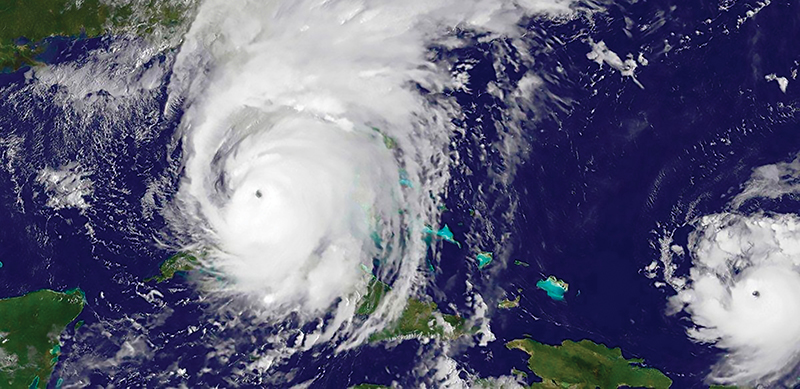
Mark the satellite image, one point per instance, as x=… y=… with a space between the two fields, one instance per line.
x=399 y=194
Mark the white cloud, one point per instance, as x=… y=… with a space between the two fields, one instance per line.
x=602 y=54
x=771 y=181
x=66 y=187
x=743 y=294
x=285 y=178
x=783 y=82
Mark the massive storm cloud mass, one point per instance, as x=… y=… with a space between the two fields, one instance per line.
x=742 y=292
x=316 y=137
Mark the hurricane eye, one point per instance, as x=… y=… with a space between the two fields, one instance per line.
x=258 y=193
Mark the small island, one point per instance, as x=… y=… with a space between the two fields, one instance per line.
x=554 y=287
x=444 y=233
x=484 y=258
x=586 y=364
x=508 y=304
x=179 y=263
x=29 y=332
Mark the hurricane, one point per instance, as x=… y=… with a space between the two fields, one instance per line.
x=316 y=137
x=399 y=194
x=742 y=291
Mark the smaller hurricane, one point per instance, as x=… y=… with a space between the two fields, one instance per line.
x=744 y=294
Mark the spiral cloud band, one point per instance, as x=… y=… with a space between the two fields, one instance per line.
x=300 y=119
x=743 y=290
x=294 y=203
x=745 y=293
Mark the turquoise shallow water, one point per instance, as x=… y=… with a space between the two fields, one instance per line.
x=552 y=287
x=595 y=185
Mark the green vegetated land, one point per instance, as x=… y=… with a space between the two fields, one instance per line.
x=508 y=303
x=369 y=386
x=178 y=263
x=586 y=365
x=29 y=329
x=24 y=24
x=375 y=292
x=417 y=319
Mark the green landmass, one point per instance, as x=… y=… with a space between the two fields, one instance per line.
x=375 y=292
x=519 y=373
x=35 y=20
x=369 y=386
x=493 y=383
x=417 y=319
x=26 y=23
x=520 y=263
x=178 y=263
x=508 y=304
x=586 y=365
x=388 y=141
x=29 y=329
x=144 y=20
x=420 y=319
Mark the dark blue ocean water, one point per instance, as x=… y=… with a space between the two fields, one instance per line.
x=602 y=172
x=602 y=177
